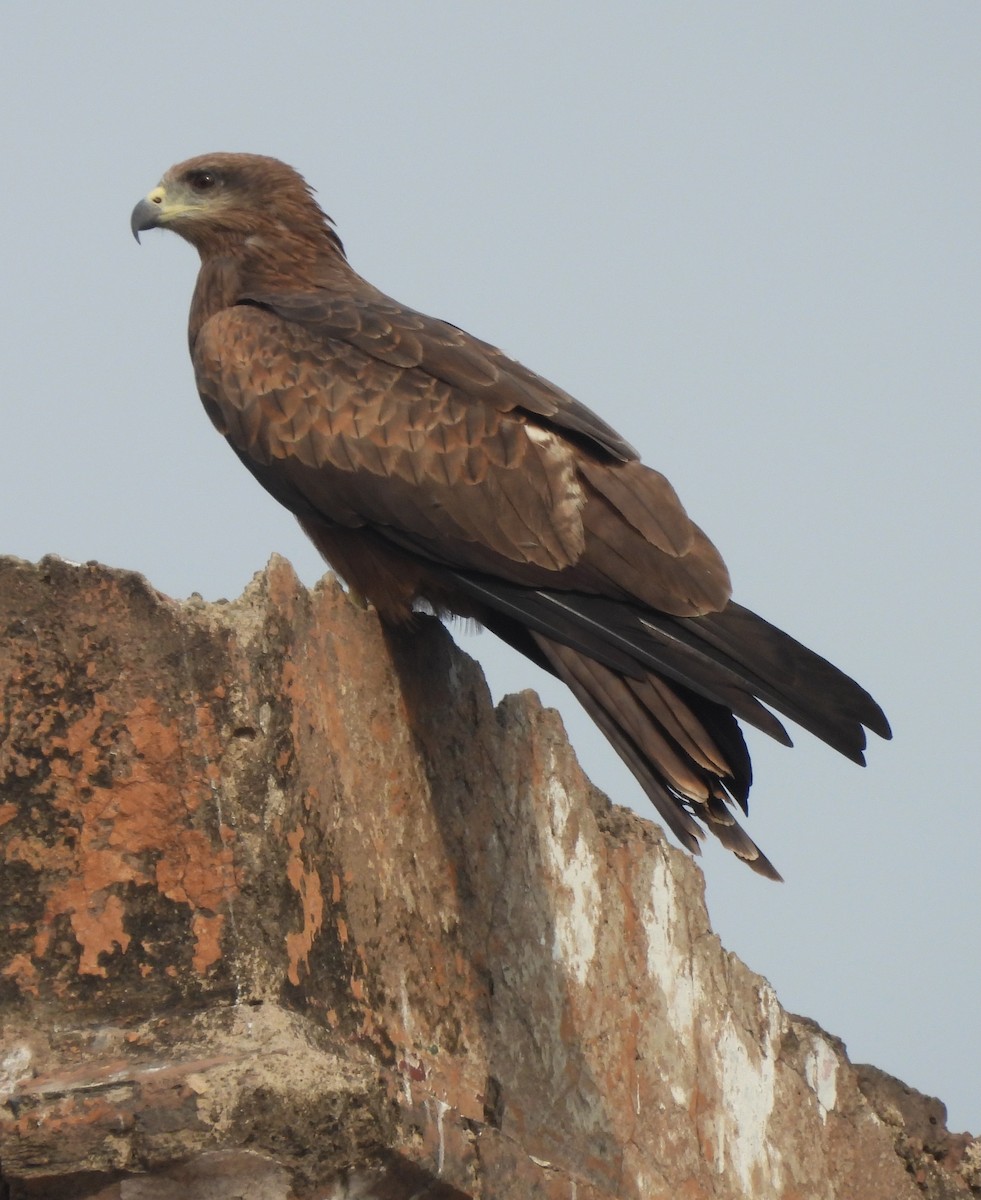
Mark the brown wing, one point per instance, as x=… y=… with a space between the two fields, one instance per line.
x=463 y=478
x=402 y=337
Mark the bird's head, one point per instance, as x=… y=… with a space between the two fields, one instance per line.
x=219 y=202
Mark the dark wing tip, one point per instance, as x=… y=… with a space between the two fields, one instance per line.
x=879 y=723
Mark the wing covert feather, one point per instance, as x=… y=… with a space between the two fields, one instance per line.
x=448 y=475
x=395 y=446
x=389 y=332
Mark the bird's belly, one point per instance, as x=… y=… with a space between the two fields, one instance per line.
x=390 y=579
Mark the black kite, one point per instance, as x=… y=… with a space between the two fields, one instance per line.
x=430 y=468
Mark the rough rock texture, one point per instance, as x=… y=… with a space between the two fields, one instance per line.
x=289 y=910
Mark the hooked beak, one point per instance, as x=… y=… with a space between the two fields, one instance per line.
x=148 y=213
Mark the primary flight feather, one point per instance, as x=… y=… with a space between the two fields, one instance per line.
x=430 y=468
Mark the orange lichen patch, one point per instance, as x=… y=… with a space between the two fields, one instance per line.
x=7 y=813
x=36 y=853
x=198 y=876
x=207 y=935
x=307 y=885
x=97 y=929
x=126 y=787
x=23 y=972
x=95 y=917
x=66 y=1115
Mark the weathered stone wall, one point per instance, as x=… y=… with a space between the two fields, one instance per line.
x=290 y=910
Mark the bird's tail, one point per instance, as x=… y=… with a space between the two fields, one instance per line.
x=666 y=691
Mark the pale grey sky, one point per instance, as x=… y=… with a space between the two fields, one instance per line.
x=748 y=234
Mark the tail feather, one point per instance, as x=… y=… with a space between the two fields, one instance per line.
x=753 y=642
x=679 y=723
x=679 y=795
x=675 y=815
x=666 y=692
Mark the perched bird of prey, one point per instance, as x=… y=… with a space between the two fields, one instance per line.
x=432 y=470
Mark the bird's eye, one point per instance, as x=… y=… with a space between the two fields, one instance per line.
x=202 y=181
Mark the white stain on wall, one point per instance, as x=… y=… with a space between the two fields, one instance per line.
x=821 y=1074
x=669 y=963
x=578 y=894
x=747 y=1085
